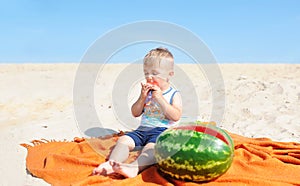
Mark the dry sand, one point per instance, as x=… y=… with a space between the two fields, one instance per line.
x=36 y=101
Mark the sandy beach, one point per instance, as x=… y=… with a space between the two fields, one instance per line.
x=37 y=101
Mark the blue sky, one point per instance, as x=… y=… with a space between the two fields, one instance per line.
x=49 y=31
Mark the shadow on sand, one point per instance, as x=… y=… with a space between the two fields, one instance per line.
x=100 y=132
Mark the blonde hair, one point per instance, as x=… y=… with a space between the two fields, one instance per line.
x=158 y=55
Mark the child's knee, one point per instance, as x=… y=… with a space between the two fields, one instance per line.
x=127 y=141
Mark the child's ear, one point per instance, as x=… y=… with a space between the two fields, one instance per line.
x=171 y=73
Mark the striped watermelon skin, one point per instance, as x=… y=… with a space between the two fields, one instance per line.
x=189 y=153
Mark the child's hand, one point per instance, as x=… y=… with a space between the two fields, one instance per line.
x=145 y=89
x=156 y=92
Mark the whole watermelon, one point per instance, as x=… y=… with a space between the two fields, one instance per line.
x=196 y=152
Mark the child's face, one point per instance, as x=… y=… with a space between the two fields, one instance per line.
x=158 y=72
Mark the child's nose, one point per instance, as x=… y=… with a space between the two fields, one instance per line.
x=149 y=77
x=149 y=80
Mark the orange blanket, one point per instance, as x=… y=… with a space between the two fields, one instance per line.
x=258 y=161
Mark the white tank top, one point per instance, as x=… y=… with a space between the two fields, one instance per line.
x=153 y=115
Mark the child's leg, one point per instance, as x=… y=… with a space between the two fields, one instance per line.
x=145 y=159
x=120 y=153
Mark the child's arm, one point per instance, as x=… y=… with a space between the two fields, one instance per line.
x=172 y=112
x=138 y=106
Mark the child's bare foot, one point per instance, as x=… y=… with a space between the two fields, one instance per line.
x=127 y=170
x=103 y=169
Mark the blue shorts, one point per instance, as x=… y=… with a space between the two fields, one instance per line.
x=143 y=135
